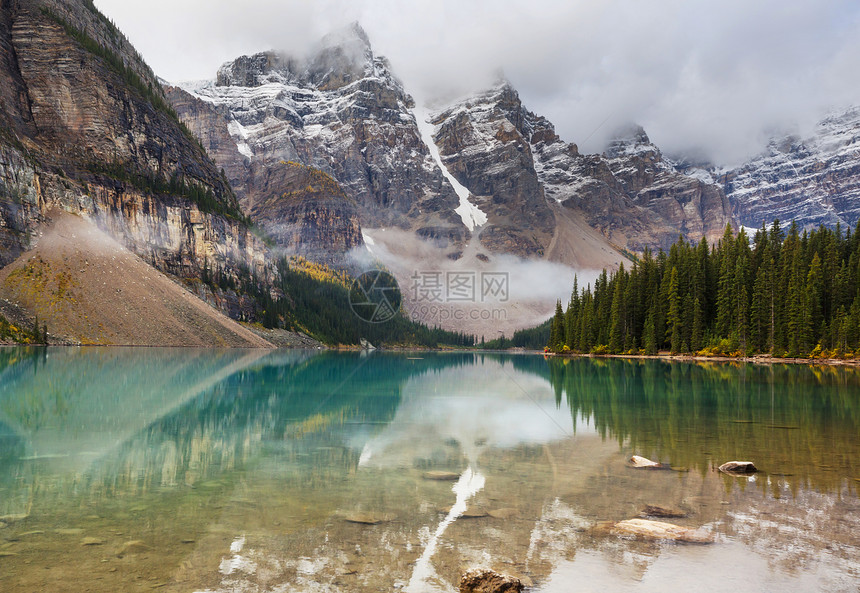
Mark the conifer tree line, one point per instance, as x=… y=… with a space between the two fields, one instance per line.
x=787 y=293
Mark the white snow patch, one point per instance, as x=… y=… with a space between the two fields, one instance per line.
x=241 y=136
x=471 y=215
x=702 y=175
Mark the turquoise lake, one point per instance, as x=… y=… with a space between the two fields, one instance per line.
x=126 y=469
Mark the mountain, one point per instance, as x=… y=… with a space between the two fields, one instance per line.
x=633 y=194
x=484 y=143
x=483 y=165
x=340 y=112
x=630 y=193
x=814 y=180
x=85 y=129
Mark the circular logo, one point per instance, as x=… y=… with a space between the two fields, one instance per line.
x=375 y=296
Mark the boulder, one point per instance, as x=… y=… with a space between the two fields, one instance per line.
x=9 y=519
x=659 y=531
x=505 y=513
x=484 y=580
x=134 y=546
x=469 y=513
x=738 y=468
x=638 y=462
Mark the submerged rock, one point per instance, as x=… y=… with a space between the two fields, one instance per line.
x=638 y=462
x=469 y=513
x=92 y=541
x=505 y=513
x=440 y=475
x=483 y=580
x=367 y=518
x=656 y=531
x=9 y=519
x=738 y=468
x=134 y=546
x=651 y=510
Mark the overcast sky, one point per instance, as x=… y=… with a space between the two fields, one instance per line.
x=717 y=75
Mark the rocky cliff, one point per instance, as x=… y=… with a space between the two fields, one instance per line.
x=631 y=193
x=814 y=180
x=302 y=209
x=484 y=143
x=87 y=129
x=312 y=215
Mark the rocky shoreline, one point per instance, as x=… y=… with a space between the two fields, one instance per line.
x=758 y=359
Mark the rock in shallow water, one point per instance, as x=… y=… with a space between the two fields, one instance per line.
x=657 y=531
x=652 y=510
x=638 y=462
x=482 y=580
x=505 y=513
x=134 y=546
x=738 y=468
x=367 y=518
x=440 y=475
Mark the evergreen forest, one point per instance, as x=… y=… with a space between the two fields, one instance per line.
x=782 y=292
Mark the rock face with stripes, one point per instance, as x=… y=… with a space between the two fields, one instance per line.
x=813 y=180
x=86 y=128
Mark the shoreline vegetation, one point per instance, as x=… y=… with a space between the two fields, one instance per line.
x=760 y=359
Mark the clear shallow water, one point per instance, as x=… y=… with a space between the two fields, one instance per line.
x=184 y=470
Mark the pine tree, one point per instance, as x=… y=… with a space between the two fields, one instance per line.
x=649 y=334
x=698 y=326
x=556 y=336
x=674 y=327
x=814 y=299
x=726 y=299
x=616 y=332
x=741 y=326
x=761 y=308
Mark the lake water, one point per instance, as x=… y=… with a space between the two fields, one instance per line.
x=284 y=471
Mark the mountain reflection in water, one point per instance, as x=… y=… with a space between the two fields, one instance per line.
x=131 y=469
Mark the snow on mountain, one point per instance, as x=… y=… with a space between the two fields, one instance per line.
x=483 y=164
x=813 y=181
x=631 y=193
x=483 y=142
x=471 y=215
x=341 y=111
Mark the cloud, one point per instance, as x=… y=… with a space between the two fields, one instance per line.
x=716 y=77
